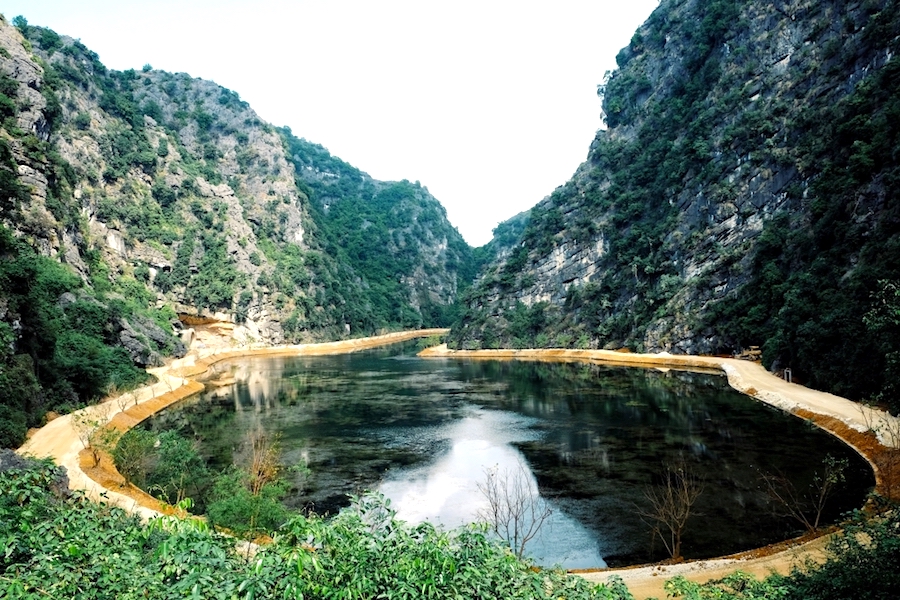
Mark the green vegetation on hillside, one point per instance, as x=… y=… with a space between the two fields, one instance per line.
x=60 y=339
x=373 y=255
x=745 y=194
x=818 y=274
x=633 y=182
x=393 y=236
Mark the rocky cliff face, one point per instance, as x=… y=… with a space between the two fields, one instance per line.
x=137 y=203
x=743 y=193
x=177 y=183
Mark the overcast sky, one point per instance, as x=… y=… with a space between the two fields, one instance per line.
x=490 y=104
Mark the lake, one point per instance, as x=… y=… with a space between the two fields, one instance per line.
x=592 y=440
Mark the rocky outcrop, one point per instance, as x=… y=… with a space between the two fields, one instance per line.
x=176 y=183
x=146 y=342
x=741 y=194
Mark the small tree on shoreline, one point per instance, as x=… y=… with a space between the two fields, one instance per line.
x=516 y=512
x=670 y=505
x=809 y=506
x=88 y=425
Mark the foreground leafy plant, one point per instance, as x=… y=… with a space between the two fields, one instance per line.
x=68 y=547
x=861 y=565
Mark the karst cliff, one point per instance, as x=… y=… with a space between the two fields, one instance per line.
x=743 y=192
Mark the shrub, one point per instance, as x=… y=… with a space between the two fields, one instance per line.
x=364 y=552
x=82 y=121
x=234 y=506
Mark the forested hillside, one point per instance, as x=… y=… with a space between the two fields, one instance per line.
x=130 y=199
x=743 y=193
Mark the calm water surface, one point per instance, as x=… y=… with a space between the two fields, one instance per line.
x=593 y=438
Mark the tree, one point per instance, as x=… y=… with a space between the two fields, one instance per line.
x=670 y=505
x=806 y=506
x=179 y=471
x=516 y=512
x=258 y=457
x=883 y=323
x=247 y=498
x=88 y=424
x=133 y=455
x=235 y=507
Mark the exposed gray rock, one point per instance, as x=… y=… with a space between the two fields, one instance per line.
x=138 y=348
x=144 y=341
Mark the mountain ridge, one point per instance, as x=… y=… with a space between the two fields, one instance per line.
x=742 y=194
x=146 y=199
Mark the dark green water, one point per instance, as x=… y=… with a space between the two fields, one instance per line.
x=423 y=430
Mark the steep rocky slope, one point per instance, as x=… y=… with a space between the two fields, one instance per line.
x=744 y=192
x=132 y=199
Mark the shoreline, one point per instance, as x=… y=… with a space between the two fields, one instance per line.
x=852 y=423
x=103 y=483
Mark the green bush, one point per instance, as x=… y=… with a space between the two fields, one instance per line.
x=132 y=455
x=88 y=366
x=233 y=506
x=82 y=121
x=178 y=471
x=364 y=552
x=13 y=424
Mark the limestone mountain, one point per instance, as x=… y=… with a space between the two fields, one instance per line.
x=396 y=234
x=130 y=199
x=744 y=192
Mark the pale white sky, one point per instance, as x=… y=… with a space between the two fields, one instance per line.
x=490 y=104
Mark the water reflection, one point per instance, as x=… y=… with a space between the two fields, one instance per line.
x=593 y=437
x=446 y=492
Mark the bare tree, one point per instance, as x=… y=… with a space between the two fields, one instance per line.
x=670 y=505
x=88 y=424
x=806 y=506
x=516 y=512
x=122 y=400
x=258 y=456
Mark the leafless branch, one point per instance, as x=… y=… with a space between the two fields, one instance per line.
x=516 y=512
x=806 y=506
x=671 y=504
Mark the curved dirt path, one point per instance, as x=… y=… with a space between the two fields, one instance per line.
x=59 y=439
x=850 y=421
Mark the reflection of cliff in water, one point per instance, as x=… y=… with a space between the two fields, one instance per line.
x=594 y=436
x=609 y=432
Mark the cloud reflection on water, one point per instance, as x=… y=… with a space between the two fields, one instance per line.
x=445 y=491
